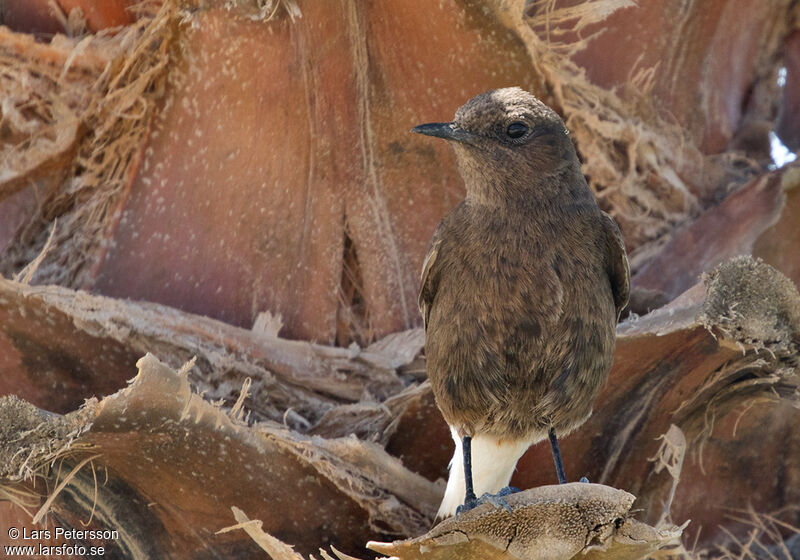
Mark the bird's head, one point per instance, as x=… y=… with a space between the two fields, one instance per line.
x=506 y=137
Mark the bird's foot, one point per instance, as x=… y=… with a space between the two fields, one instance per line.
x=584 y=480
x=467 y=505
x=497 y=500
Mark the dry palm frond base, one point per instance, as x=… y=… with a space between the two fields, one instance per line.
x=77 y=111
x=265 y=10
x=73 y=344
x=154 y=460
x=732 y=228
x=767 y=536
x=162 y=466
x=550 y=522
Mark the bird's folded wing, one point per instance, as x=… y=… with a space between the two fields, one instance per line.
x=427 y=289
x=618 y=269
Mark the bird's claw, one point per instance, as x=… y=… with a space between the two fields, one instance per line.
x=508 y=490
x=467 y=505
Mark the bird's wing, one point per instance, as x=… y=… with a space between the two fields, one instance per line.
x=428 y=284
x=618 y=270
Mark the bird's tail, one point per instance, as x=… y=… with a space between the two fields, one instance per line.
x=493 y=463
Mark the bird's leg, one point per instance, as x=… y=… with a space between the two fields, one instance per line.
x=562 y=478
x=470 y=500
x=470 y=496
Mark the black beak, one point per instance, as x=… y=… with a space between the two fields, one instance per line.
x=448 y=131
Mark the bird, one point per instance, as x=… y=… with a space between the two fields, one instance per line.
x=521 y=290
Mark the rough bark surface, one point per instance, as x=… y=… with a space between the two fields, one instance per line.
x=567 y=521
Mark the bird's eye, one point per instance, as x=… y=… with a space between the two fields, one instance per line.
x=517 y=130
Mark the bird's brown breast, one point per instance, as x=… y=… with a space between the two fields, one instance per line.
x=520 y=333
